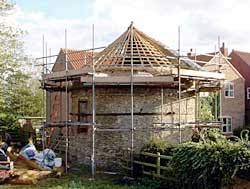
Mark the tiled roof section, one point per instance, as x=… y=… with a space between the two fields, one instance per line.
x=245 y=56
x=78 y=58
x=145 y=50
x=201 y=58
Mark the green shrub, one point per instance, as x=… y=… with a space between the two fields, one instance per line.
x=158 y=145
x=211 y=163
x=153 y=146
x=208 y=164
x=237 y=131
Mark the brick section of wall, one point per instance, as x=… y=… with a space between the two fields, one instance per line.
x=60 y=63
x=234 y=107
x=244 y=70
x=56 y=106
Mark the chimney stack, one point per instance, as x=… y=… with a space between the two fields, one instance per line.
x=191 y=53
x=224 y=50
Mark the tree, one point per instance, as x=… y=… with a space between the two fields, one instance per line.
x=19 y=94
x=207 y=107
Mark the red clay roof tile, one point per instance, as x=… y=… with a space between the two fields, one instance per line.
x=78 y=58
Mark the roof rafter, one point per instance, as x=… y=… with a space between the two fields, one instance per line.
x=146 y=51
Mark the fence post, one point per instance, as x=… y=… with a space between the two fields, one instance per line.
x=129 y=163
x=128 y=157
x=158 y=164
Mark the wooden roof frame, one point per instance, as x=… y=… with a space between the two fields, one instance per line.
x=146 y=51
x=148 y=55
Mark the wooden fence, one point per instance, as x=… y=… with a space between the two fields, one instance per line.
x=154 y=170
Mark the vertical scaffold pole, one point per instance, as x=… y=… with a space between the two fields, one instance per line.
x=93 y=166
x=46 y=55
x=220 y=93
x=162 y=101
x=199 y=102
x=66 y=103
x=179 y=83
x=132 y=99
x=43 y=99
x=216 y=95
x=50 y=56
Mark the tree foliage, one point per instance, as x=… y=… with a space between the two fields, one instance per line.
x=19 y=94
x=207 y=107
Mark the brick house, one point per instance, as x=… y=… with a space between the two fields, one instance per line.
x=155 y=96
x=232 y=95
x=241 y=62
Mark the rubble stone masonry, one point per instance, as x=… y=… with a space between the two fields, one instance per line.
x=147 y=110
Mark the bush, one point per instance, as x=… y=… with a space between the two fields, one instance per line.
x=158 y=145
x=211 y=163
x=153 y=146
x=208 y=164
x=237 y=131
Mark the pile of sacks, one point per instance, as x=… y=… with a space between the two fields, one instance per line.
x=45 y=158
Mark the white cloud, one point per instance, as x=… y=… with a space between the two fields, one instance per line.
x=38 y=24
x=201 y=23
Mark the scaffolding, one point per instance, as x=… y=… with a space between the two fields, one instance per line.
x=129 y=63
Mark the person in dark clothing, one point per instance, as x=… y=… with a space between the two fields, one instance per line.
x=196 y=134
x=6 y=140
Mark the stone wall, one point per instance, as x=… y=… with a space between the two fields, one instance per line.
x=147 y=101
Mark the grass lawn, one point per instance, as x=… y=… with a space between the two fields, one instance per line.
x=80 y=181
x=102 y=181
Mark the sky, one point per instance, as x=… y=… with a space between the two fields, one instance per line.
x=201 y=23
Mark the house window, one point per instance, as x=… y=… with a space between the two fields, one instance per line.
x=82 y=117
x=248 y=93
x=226 y=124
x=229 y=89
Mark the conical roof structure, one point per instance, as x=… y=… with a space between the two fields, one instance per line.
x=144 y=50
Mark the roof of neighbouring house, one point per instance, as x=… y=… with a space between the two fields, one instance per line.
x=209 y=56
x=204 y=58
x=245 y=56
x=144 y=50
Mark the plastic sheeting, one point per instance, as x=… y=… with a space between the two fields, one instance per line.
x=46 y=158
x=28 y=151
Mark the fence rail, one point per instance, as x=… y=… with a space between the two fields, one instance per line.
x=158 y=168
